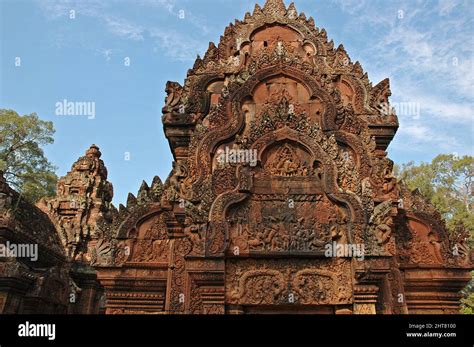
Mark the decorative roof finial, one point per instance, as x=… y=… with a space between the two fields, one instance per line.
x=93 y=151
x=275 y=7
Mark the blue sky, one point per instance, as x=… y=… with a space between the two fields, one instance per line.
x=425 y=48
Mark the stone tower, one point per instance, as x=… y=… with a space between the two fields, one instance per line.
x=82 y=202
x=83 y=198
x=282 y=198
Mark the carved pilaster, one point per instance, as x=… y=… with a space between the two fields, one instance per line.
x=205 y=287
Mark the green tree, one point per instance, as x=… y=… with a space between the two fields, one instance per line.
x=467 y=302
x=25 y=167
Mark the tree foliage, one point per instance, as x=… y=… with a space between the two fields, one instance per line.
x=467 y=302
x=25 y=167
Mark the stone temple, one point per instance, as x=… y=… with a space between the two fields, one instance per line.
x=281 y=199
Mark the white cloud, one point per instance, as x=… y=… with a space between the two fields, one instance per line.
x=417 y=132
x=448 y=111
x=416 y=136
x=168 y=5
x=106 y=53
x=54 y=9
x=176 y=45
x=433 y=106
x=428 y=54
x=123 y=28
x=446 y=6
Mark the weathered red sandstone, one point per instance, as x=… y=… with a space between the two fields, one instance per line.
x=279 y=142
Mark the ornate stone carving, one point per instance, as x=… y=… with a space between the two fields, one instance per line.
x=381 y=222
x=82 y=201
x=226 y=234
x=283 y=282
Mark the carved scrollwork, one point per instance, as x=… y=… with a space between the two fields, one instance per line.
x=259 y=287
